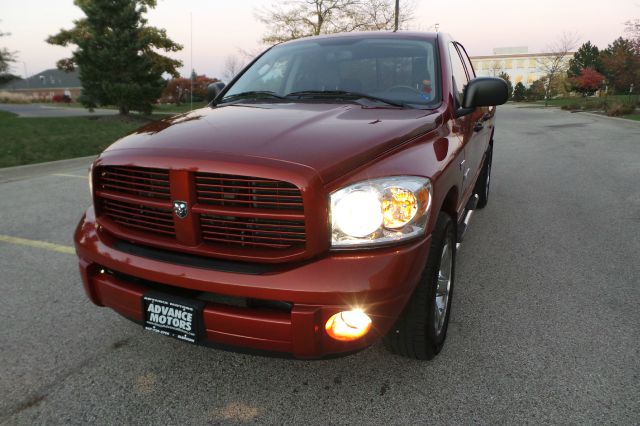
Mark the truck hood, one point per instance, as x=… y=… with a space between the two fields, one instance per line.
x=329 y=138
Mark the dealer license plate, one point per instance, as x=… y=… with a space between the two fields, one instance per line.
x=173 y=316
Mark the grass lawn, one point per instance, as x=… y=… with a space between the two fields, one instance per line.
x=35 y=140
x=632 y=117
x=589 y=101
x=173 y=108
x=157 y=109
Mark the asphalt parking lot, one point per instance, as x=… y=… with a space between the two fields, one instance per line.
x=545 y=324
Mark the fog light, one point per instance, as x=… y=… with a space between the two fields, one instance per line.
x=348 y=325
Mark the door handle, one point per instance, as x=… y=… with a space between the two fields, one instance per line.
x=478 y=126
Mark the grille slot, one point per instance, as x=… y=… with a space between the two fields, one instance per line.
x=137 y=181
x=140 y=217
x=252 y=232
x=242 y=191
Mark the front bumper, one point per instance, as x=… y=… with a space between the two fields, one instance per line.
x=378 y=281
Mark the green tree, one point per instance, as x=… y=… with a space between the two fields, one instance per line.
x=621 y=63
x=519 y=92
x=6 y=58
x=117 y=54
x=587 y=56
x=503 y=75
x=537 y=90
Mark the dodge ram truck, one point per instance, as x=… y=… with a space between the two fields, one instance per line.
x=312 y=208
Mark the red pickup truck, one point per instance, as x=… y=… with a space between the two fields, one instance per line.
x=312 y=208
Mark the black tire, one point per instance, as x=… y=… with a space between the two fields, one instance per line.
x=415 y=333
x=483 y=185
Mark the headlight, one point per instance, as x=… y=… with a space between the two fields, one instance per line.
x=380 y=211
x=358 y=213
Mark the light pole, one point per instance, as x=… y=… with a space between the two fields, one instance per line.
x=395 y=25
x=26 y=76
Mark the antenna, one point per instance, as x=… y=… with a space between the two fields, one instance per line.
x=191 y=42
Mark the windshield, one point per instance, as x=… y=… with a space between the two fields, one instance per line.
x=398 y=71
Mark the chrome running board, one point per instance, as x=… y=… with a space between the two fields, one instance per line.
x=464 y=225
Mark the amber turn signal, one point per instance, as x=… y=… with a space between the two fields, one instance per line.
x=348 y=325
x=399 y=206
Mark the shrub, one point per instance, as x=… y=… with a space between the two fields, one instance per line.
x=14 y=98
x=519 y=92
x=591 y=104
x=571 y=107
x=618 y=109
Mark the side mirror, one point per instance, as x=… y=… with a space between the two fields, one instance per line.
x=213 y=90
x=485 y=91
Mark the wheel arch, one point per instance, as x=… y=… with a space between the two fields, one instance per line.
x=449 y=205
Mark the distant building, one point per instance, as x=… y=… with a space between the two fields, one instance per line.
x=45 y=85
x=517 y=62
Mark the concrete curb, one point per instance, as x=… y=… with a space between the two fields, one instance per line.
x=624 y=120
x=10 y=174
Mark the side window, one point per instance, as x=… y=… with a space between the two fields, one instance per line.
x=460 y=79
x=467 y=62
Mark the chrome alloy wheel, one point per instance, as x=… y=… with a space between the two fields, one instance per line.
x=443 y=287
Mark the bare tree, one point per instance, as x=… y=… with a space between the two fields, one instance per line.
x=555 y=63
x=232 y=66
x=495 y=68
x=292 y=19
x=247 y=55
x=632 y=27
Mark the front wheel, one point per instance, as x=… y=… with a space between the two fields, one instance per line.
x=421 y=329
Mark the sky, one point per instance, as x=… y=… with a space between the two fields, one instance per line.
x=220 y=28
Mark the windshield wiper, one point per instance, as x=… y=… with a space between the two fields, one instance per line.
x=341 y=93
x=253 y=94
